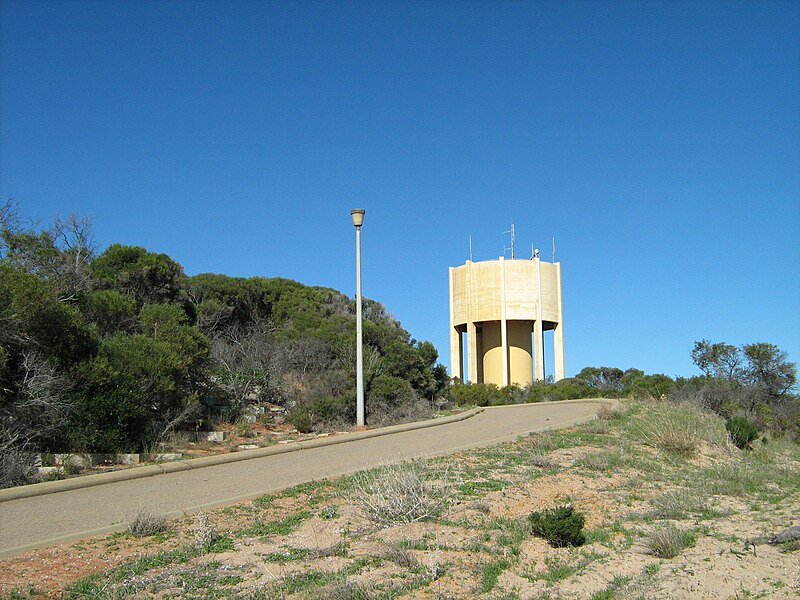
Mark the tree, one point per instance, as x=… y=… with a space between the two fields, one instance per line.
x=768 y=369
x=148 y=277
x=719 y=360
x=602 y=378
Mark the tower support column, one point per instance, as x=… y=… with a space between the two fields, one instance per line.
x=538 y=349
x=558 y=348
x=472 y=352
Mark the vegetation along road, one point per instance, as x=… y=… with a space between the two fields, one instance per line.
x=48 y=519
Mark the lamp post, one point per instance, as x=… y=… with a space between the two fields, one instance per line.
x=358 y=220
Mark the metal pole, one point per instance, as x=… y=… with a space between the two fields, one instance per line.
x=359 y=341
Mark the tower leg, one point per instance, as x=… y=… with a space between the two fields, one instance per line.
x=538 y=346
x=472 y=352
x=558 y=347
x=456 y=358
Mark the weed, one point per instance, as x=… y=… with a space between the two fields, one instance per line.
x=669 y=541
x=491 y=573
x=477 y=488
x=284 y=526
x=207 y=538
x=399 y=555
x=605 y=460
x=677 y=504
x=559 y=568
x=403 y=493
x=678 y=429
x=607 y=412
x=560 y=526
x=329 y=512
x=145 y=522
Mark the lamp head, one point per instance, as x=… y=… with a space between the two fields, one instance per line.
x=358 y=216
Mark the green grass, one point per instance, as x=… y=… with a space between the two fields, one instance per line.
x=283 y=526
x=491 y=573
x=479 y=488
x=559 y=568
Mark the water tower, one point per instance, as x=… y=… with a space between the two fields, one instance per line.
x=503 y=307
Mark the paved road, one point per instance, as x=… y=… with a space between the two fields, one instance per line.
x=45 y=520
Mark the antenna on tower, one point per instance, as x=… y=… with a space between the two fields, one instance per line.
x=470 y=248
x=554 y=249
x=512 y=242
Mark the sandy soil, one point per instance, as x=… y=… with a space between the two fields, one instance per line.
x=451 y=553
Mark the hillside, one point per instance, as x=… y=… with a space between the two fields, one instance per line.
x=672 y=510
x=116 y=352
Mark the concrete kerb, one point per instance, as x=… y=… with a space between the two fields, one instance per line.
x=53 y=487
x=207 y=461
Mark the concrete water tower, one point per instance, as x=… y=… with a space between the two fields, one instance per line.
x=503 y=307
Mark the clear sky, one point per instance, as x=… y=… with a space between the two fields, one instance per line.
x=657 y=142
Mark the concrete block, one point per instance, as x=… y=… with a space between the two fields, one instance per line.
x=45 y=471
x=165 y=457
x=76 y=460
x=216 y=436
x=128 y=459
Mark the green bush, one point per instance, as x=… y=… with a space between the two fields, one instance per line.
x=300 y=418
x=474 y=394
x=742 y=431
x=560 y=526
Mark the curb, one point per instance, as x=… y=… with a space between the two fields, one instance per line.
x=53 y=487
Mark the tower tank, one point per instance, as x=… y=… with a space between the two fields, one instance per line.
x=503 y=307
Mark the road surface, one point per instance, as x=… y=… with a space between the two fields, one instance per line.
x=52 y=518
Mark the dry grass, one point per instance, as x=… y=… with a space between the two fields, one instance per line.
x=679 y=430
x=402 y=493
x=607 y=412
x=145 y=522
x=668 y=541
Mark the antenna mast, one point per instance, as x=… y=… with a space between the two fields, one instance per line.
x=554 y=249
x=512 y=241
x=470 y=248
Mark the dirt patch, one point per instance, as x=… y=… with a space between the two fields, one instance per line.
x=315 y=541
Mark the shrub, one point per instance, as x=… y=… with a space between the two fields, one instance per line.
x=668 y=542
x=474 y=394
x=560 y=526
x=17 y=468
x=145 y=522
x=300 y=418
x=402 y=493
x=742 y=431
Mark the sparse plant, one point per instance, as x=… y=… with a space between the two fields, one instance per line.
x=560 y=526
x=676 y=504
x=679 y=429
x=742 y=432
x=668 y=541
x=205 y=534
x=608 y=412
x=402 y=493
x=491 y=573
x=542 y=460
x=17 y=468
x=434 y=568
x=400 y=556
x=329 y=512
x=145 y=522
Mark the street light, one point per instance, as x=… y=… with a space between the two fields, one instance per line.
x=358 y=220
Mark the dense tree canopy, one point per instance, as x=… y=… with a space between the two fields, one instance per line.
x=109 y=352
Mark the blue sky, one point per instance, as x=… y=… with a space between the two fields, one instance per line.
x=657 y=142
